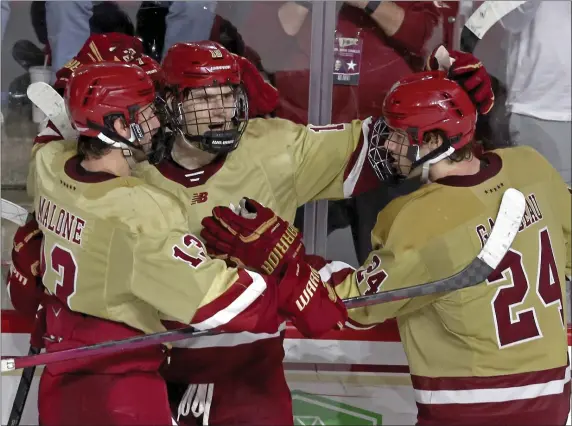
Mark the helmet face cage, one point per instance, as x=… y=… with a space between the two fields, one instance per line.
x=402 y=149
x=148 y=129
x=381 y=160
x=152 y=130
x=214 y=117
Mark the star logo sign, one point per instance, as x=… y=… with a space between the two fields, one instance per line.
x=351 y=65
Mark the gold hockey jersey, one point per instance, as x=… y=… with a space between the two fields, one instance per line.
x=119 y=249
x=278 y=163
x=281 y=165
x=495 y=353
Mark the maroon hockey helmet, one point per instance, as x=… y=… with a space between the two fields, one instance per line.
x=204 y=83
x=97 y=94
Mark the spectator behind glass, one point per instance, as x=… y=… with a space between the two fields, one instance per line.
x=68 y=25
x=530 y=54
x=393 y=40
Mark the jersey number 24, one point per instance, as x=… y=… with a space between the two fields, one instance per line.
x=514 y=289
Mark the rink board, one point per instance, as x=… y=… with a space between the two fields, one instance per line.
x=348 y=377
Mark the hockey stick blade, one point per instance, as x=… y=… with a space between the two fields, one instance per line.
x=14 y=213
x=53 y=106
x=488 y=14
x=501 y=237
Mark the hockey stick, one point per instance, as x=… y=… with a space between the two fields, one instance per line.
x=53 y=106
x=501 y=237
x=14 y=213
x=488 y=14
x=23 y=390
x=478 y=24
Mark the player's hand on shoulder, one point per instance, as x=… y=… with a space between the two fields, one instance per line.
x=312 y=304
x=252 y=236
x=469 y=72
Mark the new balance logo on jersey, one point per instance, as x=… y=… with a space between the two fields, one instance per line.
x=199 y=197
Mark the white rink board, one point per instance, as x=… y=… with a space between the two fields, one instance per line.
x=373 y=397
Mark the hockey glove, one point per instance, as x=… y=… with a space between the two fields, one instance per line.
x=469 y=72
x=252 y=236
x=24 y=278
x=262 y=96
x=312 y=305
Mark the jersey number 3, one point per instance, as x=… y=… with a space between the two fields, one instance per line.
x=62 y=262
x=523 y=326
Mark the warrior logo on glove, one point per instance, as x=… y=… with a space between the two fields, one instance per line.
x=259 y=239
x=313 y=284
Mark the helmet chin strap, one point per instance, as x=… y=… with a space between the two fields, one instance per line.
x=125 y=149
x=426 y=165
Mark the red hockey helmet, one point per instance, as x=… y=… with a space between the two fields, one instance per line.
x=110 y=47
x=204 y=81
x=429 y=102
x=98 y=94
x=151 y=68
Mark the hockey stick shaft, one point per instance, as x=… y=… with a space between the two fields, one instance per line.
x=501 y=237
x=23 y=390
x=104 y=348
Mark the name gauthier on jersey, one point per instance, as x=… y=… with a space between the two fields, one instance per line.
x=532 y=214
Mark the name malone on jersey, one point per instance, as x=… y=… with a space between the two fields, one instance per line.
x=67 y=225
x=532 y=214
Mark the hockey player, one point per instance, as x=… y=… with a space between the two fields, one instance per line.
x=217 y=154
x=495 y=353
x=117 y=257
x=24 y=272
